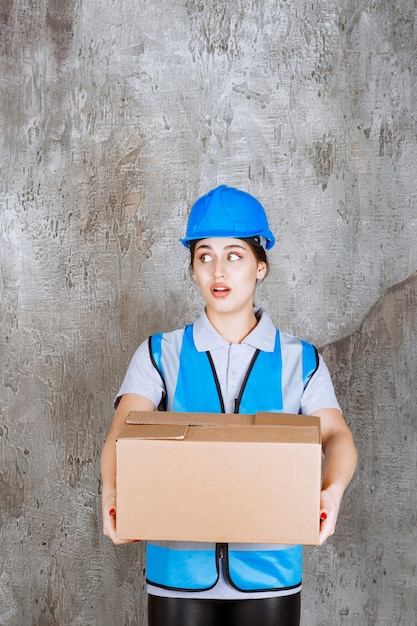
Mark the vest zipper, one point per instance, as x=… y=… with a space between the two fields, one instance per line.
x=245 y=380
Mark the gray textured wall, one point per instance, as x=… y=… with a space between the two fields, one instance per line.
x=115 y=116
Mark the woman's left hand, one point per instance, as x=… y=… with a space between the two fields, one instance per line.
x=339 y=466
x=329 y=510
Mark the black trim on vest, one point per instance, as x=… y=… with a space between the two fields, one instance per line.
x=216 y=380
x=163 y=403
x=245 y=380
x=316 y=368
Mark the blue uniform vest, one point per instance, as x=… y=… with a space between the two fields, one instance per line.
x=274 y=382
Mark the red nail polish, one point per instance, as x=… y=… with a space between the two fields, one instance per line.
x=112 y=512
x=323 y=516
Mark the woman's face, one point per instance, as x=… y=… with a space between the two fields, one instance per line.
x=226 y=271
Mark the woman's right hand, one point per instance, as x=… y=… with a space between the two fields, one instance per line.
x=128 y=402
x=109 y=522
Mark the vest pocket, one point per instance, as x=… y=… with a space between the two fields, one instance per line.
x=185 y=566
x=269 y=567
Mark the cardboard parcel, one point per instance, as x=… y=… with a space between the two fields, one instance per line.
x=219 y=477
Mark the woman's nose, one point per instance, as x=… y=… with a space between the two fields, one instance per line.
x=219 y=271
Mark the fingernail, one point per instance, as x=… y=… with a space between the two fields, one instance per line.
x=112 y=512
x=323 y=516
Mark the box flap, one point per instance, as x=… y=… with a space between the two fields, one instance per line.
x=173 y=425
x=292 y=420
x=153 y=431
x=277 y=434
x=192 y=419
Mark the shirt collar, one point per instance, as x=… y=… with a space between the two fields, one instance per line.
x=262 y=337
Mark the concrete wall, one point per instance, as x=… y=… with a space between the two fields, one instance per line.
x=115 y=116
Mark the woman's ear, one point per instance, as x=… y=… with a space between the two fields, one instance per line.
x=261 y=273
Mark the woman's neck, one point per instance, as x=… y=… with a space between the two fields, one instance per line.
x=234 y=328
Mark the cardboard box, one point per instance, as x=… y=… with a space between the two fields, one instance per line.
x=219 y=477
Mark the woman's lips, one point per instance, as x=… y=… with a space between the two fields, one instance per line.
x=220 y=291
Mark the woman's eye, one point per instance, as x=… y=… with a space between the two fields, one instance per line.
x=233 y=256
x=205 y=258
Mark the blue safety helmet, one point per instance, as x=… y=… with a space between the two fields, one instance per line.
x=228 y=212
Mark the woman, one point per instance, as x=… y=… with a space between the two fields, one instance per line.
x=227 y=348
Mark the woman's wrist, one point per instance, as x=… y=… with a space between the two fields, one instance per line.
x=108 y=499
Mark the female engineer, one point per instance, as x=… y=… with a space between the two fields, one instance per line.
x=232 y=359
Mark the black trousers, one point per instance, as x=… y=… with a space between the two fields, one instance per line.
x=283 y=611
